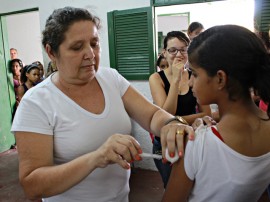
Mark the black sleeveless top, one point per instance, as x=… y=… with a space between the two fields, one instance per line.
x=25 y=87
x=186 y=103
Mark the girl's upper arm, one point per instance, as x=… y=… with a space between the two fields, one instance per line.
x=20 y=92
x=179 y=185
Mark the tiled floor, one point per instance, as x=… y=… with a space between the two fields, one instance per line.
x=145 y=185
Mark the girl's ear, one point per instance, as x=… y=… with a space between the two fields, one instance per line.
x=222 y=79
x=50 y=53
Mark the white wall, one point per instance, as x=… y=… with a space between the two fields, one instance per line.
x=172 y=23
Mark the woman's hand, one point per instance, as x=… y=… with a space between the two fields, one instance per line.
x=172 y=137
x=177 y=69
x=120 y=149
x=206 y=120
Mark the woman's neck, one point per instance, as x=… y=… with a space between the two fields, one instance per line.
x=17 y=77
x=29 y=83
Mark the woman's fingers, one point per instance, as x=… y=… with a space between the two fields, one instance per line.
x=180 y=139
x=167 y=139
x=128 y=148
x=120 y=149
x=173 y=136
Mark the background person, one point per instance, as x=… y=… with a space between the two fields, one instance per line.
x=194 y=29
x=13 y=53
x=16 y=66
x=73 y=129
x=233 y=157
x=29 y=77
x=161 y=63
x=41 y=71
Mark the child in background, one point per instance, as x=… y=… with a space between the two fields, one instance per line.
x=41 y=71
x=161 y=63
x=29 y=76
x=16 y=65
x=229 y=161
x=194 y=29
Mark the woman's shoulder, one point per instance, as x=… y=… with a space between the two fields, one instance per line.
x=154 y=76
x=107 y=72
x=157 y=77
x=112 y=77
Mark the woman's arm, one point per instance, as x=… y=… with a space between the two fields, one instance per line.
x=20 y=93
x=41 y=178
x=168 y=103
x=153 y=119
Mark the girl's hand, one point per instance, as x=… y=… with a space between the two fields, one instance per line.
x=206 y=120
x=120 y=149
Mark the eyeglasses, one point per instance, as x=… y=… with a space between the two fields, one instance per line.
x=174 y=51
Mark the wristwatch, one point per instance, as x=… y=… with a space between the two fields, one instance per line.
x=177 y=118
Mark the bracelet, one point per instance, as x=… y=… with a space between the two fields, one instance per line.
x=177 y=118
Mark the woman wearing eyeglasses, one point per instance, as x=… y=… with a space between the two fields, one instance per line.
x=170 y=90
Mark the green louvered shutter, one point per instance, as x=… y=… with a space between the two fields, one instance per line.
x=131 y=43
x=262 y=15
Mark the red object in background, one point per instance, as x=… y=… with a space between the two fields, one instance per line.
x=152 y=137
x=263 y=105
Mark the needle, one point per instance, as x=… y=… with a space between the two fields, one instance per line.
x=148 y=155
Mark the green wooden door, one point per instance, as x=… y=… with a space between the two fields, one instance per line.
x=7 y=98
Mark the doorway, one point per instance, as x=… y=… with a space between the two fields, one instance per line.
x=209 y=14
x=19 y=30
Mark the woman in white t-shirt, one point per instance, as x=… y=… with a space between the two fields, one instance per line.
x=73 y=130
x=229 y=161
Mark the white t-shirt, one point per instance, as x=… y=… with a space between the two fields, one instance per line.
x=221 y=174
x=45 y=109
